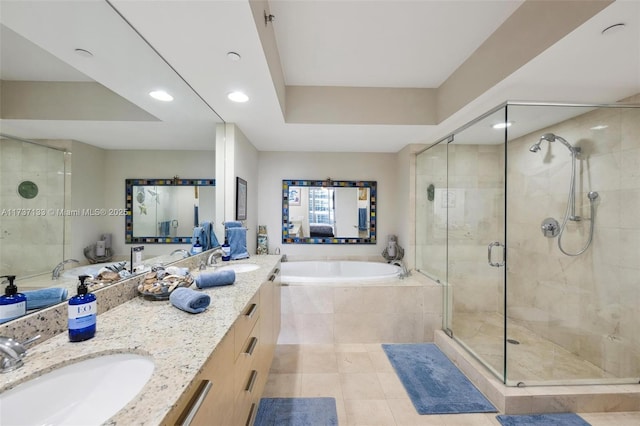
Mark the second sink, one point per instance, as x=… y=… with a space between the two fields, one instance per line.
x=239 y=267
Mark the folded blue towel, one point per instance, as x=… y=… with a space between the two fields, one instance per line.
x=233 y=224
x=189 y=300
x=42 y=298
x=216 y=278
x=237 y=238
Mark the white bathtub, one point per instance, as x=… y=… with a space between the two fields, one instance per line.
x=337 y=271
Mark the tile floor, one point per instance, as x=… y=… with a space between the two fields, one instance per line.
x=367 y=390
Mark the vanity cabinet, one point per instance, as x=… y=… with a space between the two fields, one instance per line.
x=207 y=400
x=228 y=388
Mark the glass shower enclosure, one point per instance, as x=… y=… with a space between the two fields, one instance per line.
x=528 y=216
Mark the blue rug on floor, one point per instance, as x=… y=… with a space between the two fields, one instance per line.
x=297 y=412
x=434 y=384
x=559 y=419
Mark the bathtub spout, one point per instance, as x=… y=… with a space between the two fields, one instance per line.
x=405 y=272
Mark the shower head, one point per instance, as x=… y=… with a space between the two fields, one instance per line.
x=550 y=137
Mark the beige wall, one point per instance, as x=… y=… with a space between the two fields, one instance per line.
x=381 y=167
x=124 y=164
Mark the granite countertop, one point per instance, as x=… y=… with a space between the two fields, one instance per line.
x=178 y=342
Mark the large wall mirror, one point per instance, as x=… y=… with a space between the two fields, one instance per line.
x=75 y=75
x=165 y=211
x=328 y=212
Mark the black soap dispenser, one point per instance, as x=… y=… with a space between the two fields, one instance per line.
x=12 y=303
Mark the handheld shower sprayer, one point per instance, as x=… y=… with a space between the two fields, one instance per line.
x=570 y=213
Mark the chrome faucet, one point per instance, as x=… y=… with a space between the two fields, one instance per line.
x=12 y=352
x=55 y=274
x=405 y=272
x=212 y=259
x=184 y=252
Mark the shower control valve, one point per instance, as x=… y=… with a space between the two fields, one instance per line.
x=550 y=227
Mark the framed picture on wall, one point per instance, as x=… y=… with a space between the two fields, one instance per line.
x=294 y=196
x=241 y=199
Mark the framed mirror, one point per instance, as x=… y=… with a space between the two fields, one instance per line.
x=165 y=211
x=329 y=212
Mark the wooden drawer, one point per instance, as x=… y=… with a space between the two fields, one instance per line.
x=247 y=400
x=245 y=323
x=247 y=359
x=210 y=388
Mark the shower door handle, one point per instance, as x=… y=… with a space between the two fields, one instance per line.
x=504 y=254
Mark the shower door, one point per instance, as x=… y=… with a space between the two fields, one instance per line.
x=474 y=202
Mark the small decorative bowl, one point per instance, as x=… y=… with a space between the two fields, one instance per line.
x=154 y=288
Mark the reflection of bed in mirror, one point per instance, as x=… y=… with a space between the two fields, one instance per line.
x=329 y=211
x=320 y=230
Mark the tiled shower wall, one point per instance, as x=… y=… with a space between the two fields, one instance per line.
x=588 y=304
x=31 y=230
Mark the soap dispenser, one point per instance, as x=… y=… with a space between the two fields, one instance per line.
x=12 y=304
x=226 y=250
x=83 y=310
x=197 y=247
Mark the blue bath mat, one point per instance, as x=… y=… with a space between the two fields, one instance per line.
x=434 y=384
x=297 y=412
x=559 y=419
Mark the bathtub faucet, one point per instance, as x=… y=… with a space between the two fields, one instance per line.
x=405 y=272
x=55 y=274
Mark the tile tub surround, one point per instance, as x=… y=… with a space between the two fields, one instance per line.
x=540 y=399
x=398 y=311
x=51 y=321
x=178 y=342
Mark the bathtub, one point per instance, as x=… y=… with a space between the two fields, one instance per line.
x=337 y=271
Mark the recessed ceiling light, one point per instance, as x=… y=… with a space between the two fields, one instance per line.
x=502 y=125
x=238 y=96
x=613 y=28
x=233 y=56
x=161 y=95
x=83 y=52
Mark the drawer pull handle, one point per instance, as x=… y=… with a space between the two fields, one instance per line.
x=272 y=278
x=252 y=381
x=203 y=390
x=252 y=411
x=252 y=346
x=252 y=310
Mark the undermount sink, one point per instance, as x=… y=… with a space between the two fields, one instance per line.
x=87 y=392
x=239 y=267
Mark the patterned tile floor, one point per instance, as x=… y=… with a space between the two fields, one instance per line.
x=367 y=390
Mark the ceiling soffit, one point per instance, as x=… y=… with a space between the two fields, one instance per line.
x=532 y=28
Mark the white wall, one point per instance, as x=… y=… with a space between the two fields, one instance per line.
x=88 y=172
x=240 y=160
x=126 y=164
x=381 y=167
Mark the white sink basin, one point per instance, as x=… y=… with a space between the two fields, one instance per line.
x=239 y=267
x=88 y=392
